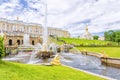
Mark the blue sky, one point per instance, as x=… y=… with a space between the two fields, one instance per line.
x=71 y=15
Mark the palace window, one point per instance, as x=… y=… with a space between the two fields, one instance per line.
x=21 y=28
x=18 y=41
x=22 y=41
x=12 y=28
x=29 y=29
x=33 y=42
x=16 y=28
x=10 y=42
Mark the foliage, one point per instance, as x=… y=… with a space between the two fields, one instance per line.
x=84 y=42
x=55 y=41
x=112 y=36
x=1 y=47
x=110 y=51
x=95 y=37
x=117 y=37
x=16 y=71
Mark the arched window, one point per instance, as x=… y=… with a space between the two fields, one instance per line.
x=33 y=43
x=18 y=41
x=10 y=42
x=22 y=41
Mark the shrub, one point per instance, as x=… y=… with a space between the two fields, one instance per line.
x=1 y=47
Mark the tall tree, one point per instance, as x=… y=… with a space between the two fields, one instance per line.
x=109 y=35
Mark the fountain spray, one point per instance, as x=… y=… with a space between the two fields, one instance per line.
x=45 y=32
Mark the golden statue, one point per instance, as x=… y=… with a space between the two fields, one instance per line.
x=44 y=47
x=56 y=61
x=104 y=54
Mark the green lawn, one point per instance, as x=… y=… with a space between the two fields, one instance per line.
x=78 y=41
x=51 y=40
x=16 y=71
x=110 y=51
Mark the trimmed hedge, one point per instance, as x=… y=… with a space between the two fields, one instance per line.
x=77 y=42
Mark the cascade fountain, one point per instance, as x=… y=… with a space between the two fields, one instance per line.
x=45 y=52
x=26 y=44
x=80 y=61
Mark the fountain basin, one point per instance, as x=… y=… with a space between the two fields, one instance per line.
x=45 y=54
x=24 y=48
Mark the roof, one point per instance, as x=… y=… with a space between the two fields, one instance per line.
x=25 y=23
x=18 y=22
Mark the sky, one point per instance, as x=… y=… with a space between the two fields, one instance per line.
x=71 y=15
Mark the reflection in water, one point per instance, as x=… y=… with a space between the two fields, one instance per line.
x=89 y=63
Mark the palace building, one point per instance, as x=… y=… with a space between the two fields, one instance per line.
x=14 y=31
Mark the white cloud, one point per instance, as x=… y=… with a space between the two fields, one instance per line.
x=72 y=15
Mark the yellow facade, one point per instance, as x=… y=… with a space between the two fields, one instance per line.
x=15 y=30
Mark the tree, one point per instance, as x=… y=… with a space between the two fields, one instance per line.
x=95 y=37
x=112 y=36
x=109 y=35
x=117 y=37
x=1 y=47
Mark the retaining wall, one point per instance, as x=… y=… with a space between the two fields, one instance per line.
x=108 y=61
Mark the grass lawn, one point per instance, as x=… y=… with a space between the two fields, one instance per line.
x=16 y=71
x=51 y=40
x=78 y=41
x=110 y=51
